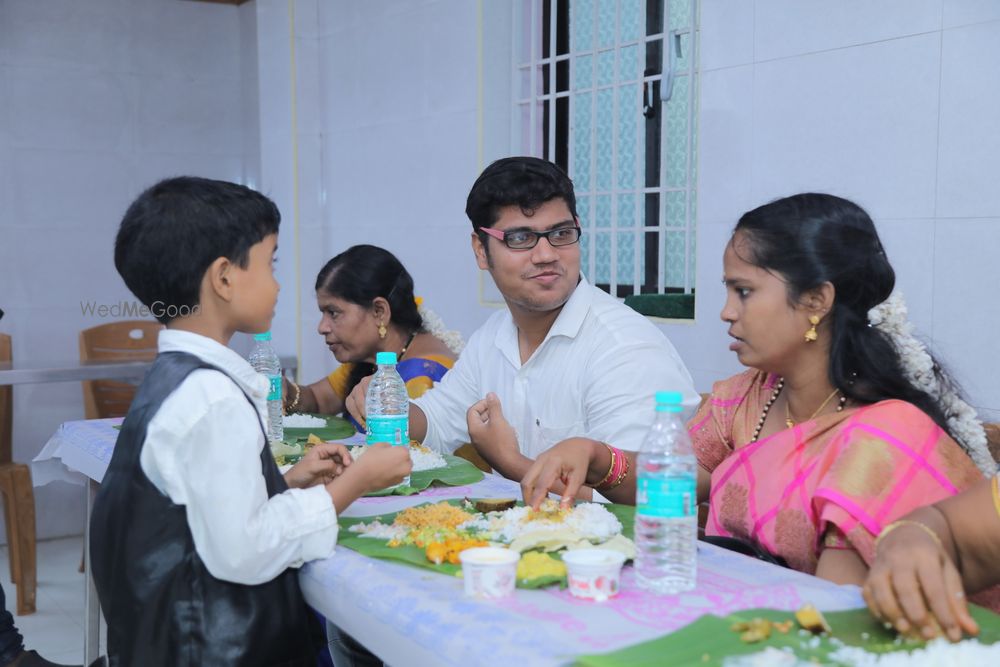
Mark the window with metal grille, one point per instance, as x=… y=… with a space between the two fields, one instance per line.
x=607 y=89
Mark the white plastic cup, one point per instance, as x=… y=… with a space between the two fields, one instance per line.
x=593 y=574
x=489 y=572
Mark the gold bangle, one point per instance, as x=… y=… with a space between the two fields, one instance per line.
x=611 y=468
x=907 y=522
x=621 y=476
x=996 y=493
x=291 y=407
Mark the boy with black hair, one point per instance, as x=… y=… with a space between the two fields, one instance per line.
x=195 y=535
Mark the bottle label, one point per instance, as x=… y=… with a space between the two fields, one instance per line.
x=274 y=393
x=392 y=429
x=670 y=498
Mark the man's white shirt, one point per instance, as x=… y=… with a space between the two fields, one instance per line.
x=202 y=450
x=594 y=375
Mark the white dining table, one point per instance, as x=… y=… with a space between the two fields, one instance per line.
x=410 y=616
x=414 y=617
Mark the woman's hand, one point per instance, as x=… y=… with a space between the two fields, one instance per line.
x=914 y=586
x=355 y=403
x=286 y=393
x=321 y=464
x=565 y=465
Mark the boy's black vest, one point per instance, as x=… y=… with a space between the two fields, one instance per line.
x=162 y=605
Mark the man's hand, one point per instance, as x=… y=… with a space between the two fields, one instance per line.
x=355 y=403
x=494 y=438
x=914 y=586
x=320 y=465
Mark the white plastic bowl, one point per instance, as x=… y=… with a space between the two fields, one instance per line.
x=593 y=574
x=489 y=572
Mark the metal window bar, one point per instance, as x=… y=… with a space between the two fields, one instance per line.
x=547 y=102
x=689 y=239
x=550 y=58
x=673 y=36
x=638 y=233
x=616 y=50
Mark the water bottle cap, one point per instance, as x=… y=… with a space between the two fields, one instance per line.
x=384 y=358
x=262 y=336
x=669 y=401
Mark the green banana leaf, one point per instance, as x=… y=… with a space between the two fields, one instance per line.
x=457 y=472
x=709 y=640
x=411 y=555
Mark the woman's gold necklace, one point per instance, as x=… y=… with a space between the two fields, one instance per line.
x=789 y=423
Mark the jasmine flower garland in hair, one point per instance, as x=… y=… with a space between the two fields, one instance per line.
x=435 y=326
x=890 y=317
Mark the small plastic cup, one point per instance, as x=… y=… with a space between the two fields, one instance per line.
x=489 y=572
x=593 y=574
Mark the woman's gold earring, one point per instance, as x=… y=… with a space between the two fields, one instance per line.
x=811 y=335
x=382 y=331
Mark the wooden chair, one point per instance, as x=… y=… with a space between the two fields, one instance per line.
x=129 y=340
x=18 y=501
x=993 y=439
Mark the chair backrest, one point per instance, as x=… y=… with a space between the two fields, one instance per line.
x=130 y=340
x=993 y=439
x=6 y=406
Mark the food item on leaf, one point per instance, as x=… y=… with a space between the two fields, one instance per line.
x=423 y=458
x=753 y=631
x=493 y=504
x=535 y=565
x=302 y=421
x=448 y=550
x=758 y=629
x=810 y=618
x=444 y=530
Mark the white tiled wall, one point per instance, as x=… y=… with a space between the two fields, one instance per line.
x=860 y=120
x=892 y=104
x=969 y=146
x=397 y=129
x=785 y=28
x=98 y=99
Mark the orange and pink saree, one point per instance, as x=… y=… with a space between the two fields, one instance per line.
x=833 y=482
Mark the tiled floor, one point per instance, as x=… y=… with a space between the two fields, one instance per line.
x=55 y=630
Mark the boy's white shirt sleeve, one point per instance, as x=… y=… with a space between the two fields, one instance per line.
x=213 y=468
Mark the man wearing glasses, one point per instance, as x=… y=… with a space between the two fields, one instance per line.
x=565 y=359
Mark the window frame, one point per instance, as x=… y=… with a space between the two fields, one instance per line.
x=534 y=132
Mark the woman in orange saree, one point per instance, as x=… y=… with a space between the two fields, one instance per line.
x=844 y=422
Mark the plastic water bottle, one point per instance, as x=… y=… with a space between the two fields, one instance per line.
x=666 y=512
x=387 y=405
x=266 y=362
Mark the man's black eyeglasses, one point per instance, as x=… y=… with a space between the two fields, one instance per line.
x=526 y=239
